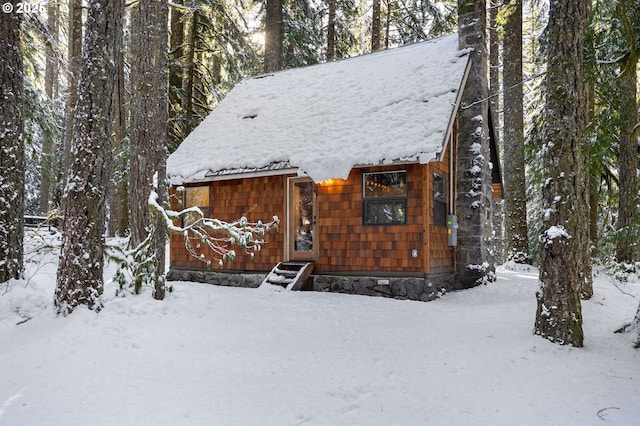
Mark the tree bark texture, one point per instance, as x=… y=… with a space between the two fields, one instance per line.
x=74 y=64
x=12 y=156
x=190 y=69
x=473 y=183
x=273 y=37
x=162 y=116
x=636 y=327
x=80 y=270
x=594 y=178
x=331 y=31
x=586 y=285
x=176 y=72
x=118 y=196
x=564 y=193
x=627 y=244
x=142 y=158
x=148 y=122
x=375 y=26
x=47 y=160
x=515 y=187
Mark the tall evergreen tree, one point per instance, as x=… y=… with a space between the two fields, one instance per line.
x=12 y=158
x=80 y=270
x=375 y=26
x=416 y=20
x=51 y=83
x=627 y=241
x=210 y=51
x=148 y=127
x=514 y=165
x=74 y=63
x=564 y=192
x=118 y=197
x=273 y=37
x=331 y=31
x=176 y=72
x=341 y=18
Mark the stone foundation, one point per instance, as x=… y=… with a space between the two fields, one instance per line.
x=226 y=279
x=413 y=288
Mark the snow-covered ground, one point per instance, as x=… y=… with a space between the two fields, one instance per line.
x=225 y=356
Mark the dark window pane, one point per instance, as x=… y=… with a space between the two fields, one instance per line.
x=439 y=213
x=385 y=212
x=439 y=200
x=439 y=188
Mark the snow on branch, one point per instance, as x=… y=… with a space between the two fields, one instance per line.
x=219 y=236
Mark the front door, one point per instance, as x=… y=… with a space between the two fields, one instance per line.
x=302 y=219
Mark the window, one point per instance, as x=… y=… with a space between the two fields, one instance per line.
x=195 y=196
x=384 y=198
x=439 y=200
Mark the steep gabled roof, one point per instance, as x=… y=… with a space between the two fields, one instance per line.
x=394 y=105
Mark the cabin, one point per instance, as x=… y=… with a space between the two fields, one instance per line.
x=358 y=159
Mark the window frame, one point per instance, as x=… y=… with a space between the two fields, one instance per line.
x=393 y=200
x=206 y=210
x=439 y=203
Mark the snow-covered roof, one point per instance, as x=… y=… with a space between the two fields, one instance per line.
x=394 y=105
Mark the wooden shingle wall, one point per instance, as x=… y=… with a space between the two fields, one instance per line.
x=346 y=245
x=441 y=257
x=257 y=198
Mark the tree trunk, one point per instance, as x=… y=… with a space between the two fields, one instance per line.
x=176 y=53
x=387 y=26
x=594 y=178
x=12 y=157
x=375 y=26
x=80 y=270
x=627 y=243
x=331 y=32
x=74 y=63
x=586 y=285
x=564 y=192
x=148 y=125
x=273 y=37
x=187 y=82
x=47 y=160
x=162 y=115
x=636 y=327
x=143 y=103
x=515 y=187
x=118 y=197
x=494 y=94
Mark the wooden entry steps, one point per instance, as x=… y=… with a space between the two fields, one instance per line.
x=289 y=275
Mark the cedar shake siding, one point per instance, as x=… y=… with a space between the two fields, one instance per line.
x=259 y=199
x=347 y=245
x=344 y=243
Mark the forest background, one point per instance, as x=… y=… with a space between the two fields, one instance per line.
x=208 y=46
